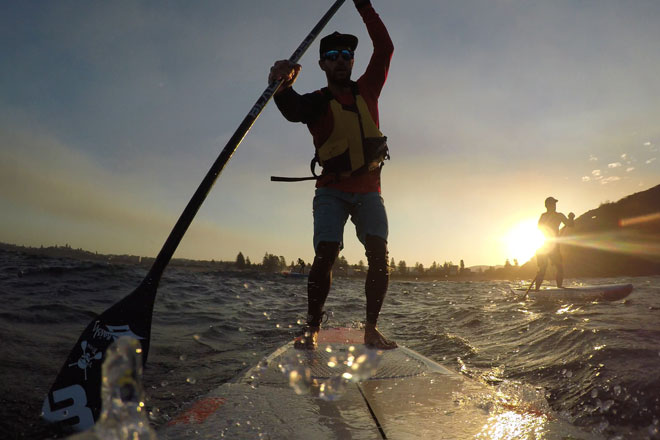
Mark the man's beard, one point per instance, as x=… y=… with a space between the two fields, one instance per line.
x=343 y=81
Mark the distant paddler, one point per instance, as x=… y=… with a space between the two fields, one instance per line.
x=549 y=223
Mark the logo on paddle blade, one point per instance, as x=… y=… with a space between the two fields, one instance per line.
x=91 y=353
x=87 y=357
x=113 y=332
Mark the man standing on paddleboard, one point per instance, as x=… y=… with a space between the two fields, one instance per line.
x=549 y=224
x=343 y=121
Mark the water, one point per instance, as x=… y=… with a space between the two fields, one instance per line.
x=595 y=364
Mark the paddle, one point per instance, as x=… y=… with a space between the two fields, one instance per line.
x=74 y=399
x=528 y=289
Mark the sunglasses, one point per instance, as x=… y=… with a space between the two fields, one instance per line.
x=332 y=55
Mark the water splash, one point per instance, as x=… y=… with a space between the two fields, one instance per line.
x=123 y=414
x=326 y=373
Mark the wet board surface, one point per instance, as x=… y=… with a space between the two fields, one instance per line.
x=606 y=292
x=343 y=390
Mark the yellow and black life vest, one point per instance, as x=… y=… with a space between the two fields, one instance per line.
x=355 y=144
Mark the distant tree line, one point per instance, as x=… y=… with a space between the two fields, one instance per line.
x=447 y=270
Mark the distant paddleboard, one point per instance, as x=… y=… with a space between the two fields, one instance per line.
x=606 y=292
x=345 y=390
x=289 y=274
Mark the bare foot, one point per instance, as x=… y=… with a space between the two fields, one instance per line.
x=308 y=340
x=375 y=339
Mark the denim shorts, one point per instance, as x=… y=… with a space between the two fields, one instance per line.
x=332 y=208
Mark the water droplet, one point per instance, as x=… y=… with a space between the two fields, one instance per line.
x=331 y=389
x=605 y=406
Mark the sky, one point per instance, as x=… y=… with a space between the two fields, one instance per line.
x=111 y=113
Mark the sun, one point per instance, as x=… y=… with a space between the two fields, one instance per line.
x=523 y=240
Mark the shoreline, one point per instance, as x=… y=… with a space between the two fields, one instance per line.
x=512 y=273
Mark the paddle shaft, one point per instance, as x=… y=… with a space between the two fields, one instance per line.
x=75 y=396
x=186 y=218
x=529 y=288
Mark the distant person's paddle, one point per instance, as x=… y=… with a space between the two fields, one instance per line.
x=528 y=289
x=74 y=399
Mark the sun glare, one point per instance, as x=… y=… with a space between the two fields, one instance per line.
x=523 y=240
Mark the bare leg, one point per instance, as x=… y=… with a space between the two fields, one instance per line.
x=318 y=286
x=559 y=265
x=560 y=276
x=378 y=276
x=542 y=261
x=375 y=290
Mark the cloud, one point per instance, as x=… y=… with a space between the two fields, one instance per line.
x=651 y=160
x=611 y=179
x=592 y=158
x=43 y=180
x=39 y=172
x=596 y=173
x=614 y=165
x=586 y=178
x=629 y=169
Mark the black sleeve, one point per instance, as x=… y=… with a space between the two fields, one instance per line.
x=305 y=108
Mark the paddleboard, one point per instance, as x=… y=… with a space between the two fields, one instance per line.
x=289 y=274
x=606 y=292
x=344 y=390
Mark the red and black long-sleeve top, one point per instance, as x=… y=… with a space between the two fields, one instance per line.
x=313 y=108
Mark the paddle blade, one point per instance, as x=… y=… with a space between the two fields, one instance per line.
x=74 y=399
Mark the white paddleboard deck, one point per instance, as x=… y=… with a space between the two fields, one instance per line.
x=325 y=394
x=606 y=292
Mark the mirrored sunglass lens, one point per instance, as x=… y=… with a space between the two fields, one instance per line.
x=331 y=55
x=347 y=55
